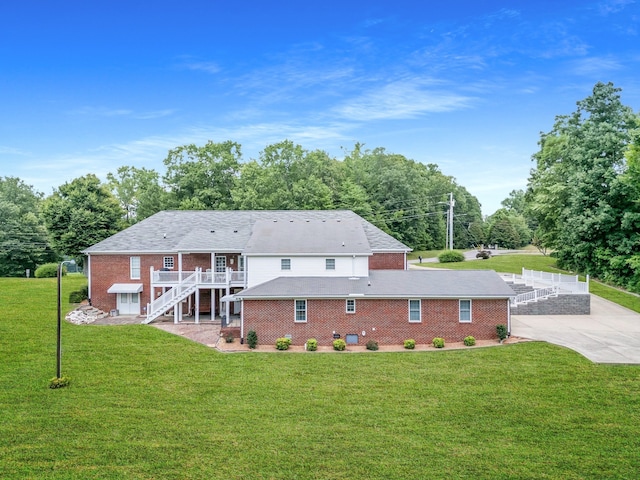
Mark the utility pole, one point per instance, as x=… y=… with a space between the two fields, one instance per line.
x=450 y=220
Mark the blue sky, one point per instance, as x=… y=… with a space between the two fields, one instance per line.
x=86 y=87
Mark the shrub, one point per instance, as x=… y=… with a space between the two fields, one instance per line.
x=469 y=341
x=339 y=344
x=61 y=382
x=49 y=270
x=79 y=295
x=372 y=345
x=438 y=342
x=410 y=344
x=252 y=339
x=312 y=344
x=450 y=256
x=502 y=331
x=283 y=343
x=229 y=337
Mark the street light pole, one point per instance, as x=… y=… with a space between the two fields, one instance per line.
x=59 y=339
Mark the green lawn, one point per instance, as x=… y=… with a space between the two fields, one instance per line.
x=144 y=404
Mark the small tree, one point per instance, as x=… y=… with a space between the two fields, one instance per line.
x=252 y=339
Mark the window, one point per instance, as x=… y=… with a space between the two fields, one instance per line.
x=221 y=264
x=351 y=338
x=330 y=263
x=241 y=263
x=414 y=311
x=301 y=310
x=285 y=264
x=351 y=305
x=134 y=267
x=168 y=263
x=465 y=310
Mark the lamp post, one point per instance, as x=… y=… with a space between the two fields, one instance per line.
x=59 y=339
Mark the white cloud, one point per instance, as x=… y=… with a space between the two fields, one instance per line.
x=120 y=112
x=208 y=67
x=402 y=100
x=594 y=65
x=11 y=151
x=613 y=6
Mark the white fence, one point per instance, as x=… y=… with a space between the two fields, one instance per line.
x=565 y=283
x=534 y=296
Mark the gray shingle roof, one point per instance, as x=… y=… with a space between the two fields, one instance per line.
x=388 y=284
x=331 y=236
x=226 y=230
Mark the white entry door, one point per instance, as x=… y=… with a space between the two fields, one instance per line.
x=129 y=303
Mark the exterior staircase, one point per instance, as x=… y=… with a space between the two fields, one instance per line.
x=526 y=294
x=171 y=298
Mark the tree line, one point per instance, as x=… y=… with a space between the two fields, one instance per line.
x=405 y=198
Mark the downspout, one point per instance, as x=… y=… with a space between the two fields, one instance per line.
x=242 y=322
x=508 y=317
x=89 y=277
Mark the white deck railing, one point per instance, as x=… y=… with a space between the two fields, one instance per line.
x=566 y=283
x=534 y=296
x=228 y=277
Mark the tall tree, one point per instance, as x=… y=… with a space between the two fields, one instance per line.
x=202 y=178
x=139 y=192
x=80 y=213
x=287 y=177
x=577 y=190
x=23 y=237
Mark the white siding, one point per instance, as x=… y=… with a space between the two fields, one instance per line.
x=261 y=269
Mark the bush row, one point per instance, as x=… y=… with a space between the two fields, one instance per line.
x=339 y=344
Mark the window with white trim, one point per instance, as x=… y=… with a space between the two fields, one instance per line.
x=465 y=311
x=221 y=264
x=351 y=305
x=168 y=263
x=330 y=264
x=301 y=311
x=134 y=268
x=415 y=314
x=285 y=264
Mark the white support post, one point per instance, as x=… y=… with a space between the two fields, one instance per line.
x=197 y=313
x=242 y=321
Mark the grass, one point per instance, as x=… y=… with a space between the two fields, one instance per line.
x=144 y=404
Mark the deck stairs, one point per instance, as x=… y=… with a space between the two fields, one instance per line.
x=526 y=294
x=171 y=298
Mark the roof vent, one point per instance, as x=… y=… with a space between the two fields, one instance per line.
x=213 y=231
x=164 y=236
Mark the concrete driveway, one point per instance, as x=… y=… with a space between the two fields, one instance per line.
x=611 y=334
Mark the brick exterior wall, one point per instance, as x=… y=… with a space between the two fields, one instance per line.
x=106 y=270
x=387 y=261
x=272 y=319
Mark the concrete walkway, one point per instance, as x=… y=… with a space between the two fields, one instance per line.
x=611 y=334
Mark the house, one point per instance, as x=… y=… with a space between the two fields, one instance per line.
x=303 y=274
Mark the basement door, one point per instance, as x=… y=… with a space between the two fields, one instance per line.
x=128 y=303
